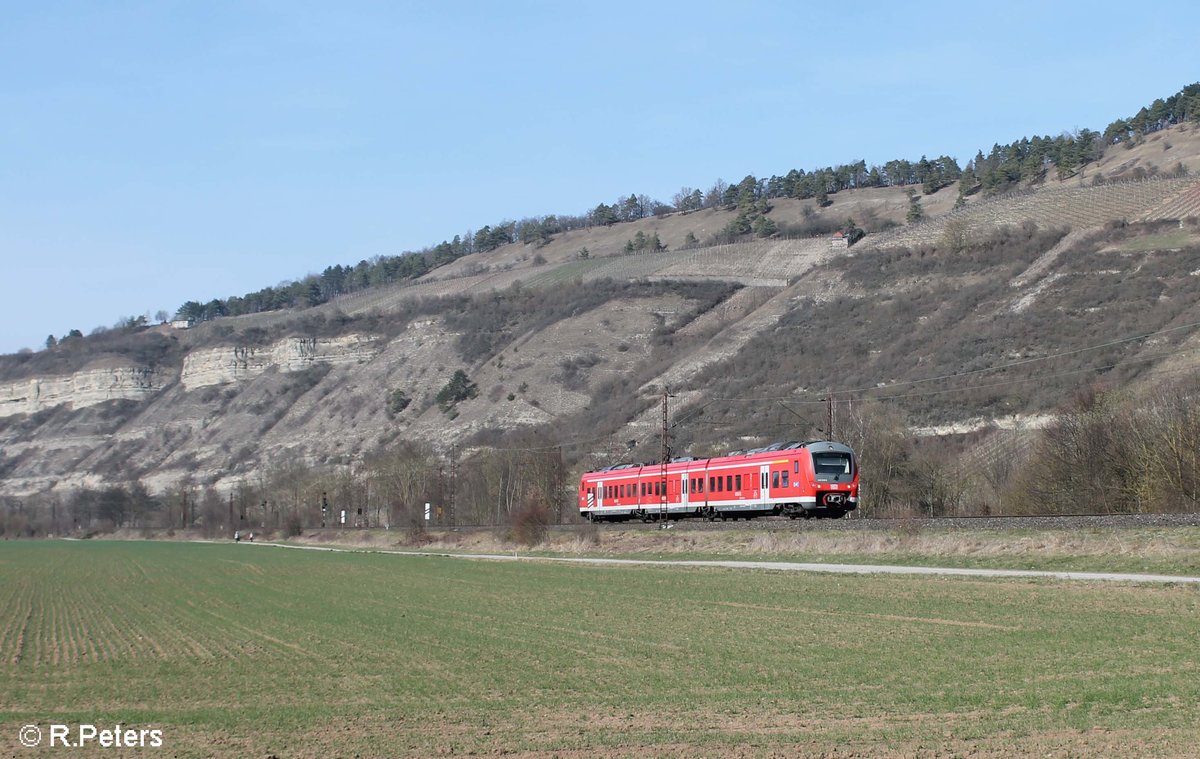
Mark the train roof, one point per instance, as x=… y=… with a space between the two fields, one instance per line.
x=790 y=445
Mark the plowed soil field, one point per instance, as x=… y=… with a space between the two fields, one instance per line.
x=254 y=651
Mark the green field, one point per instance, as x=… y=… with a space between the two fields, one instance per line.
x=239 y=650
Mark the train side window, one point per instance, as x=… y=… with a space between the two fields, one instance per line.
x=729 y=482
x=700 y=484
x=737 y=482
x=796 y=466
x=774 y=479
x=784 y=479
x=712 y=484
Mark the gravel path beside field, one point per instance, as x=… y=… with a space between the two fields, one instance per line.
x=782 y=566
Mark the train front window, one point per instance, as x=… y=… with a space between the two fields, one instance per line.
x=832 y=465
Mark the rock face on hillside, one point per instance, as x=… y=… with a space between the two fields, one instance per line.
x=218 y=366
x=80 y=390
x=228 y=408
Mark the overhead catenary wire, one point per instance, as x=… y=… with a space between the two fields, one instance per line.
x=1150 y=372
x=970 y=373
x=695 y=411
x=689 y=414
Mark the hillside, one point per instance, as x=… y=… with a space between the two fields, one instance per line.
x=573 y=349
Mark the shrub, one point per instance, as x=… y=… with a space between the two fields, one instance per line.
x=397 y=401
x=529 y=524
x=459 y=388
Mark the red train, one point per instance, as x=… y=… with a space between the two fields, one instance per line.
x=812 y=479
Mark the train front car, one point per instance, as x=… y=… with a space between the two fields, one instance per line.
x=832 y=481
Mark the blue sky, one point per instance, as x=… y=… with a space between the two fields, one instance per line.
x=158 y=152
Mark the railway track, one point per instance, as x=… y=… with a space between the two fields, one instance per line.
x=1056 y=522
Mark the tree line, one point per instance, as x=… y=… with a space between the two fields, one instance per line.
x=1109 y=451
x=1027 y=160
x=526 y=489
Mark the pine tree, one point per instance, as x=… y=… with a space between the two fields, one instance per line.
x=459 y=388
x=915 y=212
x=765 y=226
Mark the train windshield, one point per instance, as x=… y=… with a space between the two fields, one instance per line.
x=833 y=464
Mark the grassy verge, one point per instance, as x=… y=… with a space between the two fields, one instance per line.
x=241 y=651
x=1149 y=550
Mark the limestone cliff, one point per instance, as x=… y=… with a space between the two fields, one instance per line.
x=81 y=389
x=218 y=366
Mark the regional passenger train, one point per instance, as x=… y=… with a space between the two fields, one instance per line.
x=813 y=479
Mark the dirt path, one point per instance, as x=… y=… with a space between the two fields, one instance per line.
x=781 y=566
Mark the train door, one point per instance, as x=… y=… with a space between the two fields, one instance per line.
x=764 y=482
x=684 y=489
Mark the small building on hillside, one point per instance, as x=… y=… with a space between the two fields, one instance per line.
x=839 y=241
